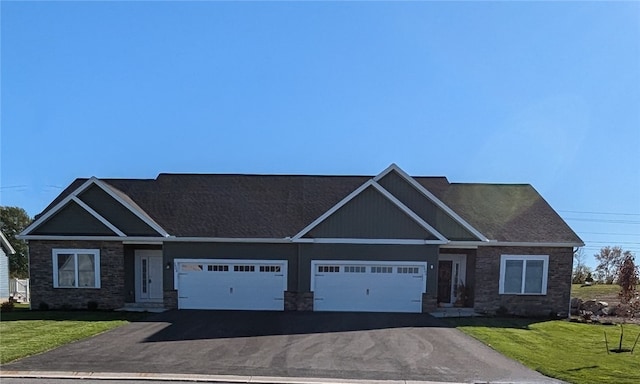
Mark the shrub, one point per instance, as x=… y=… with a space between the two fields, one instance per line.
x=43 y=306
x=7 y=306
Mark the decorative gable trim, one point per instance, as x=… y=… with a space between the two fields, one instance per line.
x=73 y=196
x=135 y=210
x=4 y=242
x=433 y=198
x=386 y=194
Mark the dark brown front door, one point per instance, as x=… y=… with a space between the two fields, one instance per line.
x=444 y=281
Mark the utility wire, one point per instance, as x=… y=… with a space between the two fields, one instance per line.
x=601 y=213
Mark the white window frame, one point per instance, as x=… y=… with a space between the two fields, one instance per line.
x=75 y=252
x=524 y=259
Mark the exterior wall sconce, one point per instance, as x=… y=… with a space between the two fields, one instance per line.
x=168 y=266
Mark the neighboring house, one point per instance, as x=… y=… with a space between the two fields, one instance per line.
x=391 y=243
x=5 y=250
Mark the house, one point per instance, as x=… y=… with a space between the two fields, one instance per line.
x=5 y=250
x=387 y=243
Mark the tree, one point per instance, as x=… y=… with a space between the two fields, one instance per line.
x=12 y=221
x=609 y=261
x=628 y=279
x=580 y=270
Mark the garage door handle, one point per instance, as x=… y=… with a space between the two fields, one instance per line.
x=367 y=291
x=230 y=289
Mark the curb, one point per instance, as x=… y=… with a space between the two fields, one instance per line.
x=169 y=377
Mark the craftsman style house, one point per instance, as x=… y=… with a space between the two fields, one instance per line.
x=387 y=243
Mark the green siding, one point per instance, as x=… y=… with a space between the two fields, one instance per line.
x=425 y=208
x=309 y=252
x=370 y=215
x=115 y=213
x=188 y=250
x=73 y=220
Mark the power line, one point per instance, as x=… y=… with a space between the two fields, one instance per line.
x=612 y=221
x=601 y=213
x=611 y=234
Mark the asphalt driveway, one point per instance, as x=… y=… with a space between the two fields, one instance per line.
x=295 y=344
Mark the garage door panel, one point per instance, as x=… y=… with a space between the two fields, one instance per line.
x=368 y=286
x=231 y=284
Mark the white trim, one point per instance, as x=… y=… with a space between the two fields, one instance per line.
x=433 y=198
x=226 y=240
x=75 y=252
x=493 y=243
x=388 y=196
x=409 y=212
x=328 y=213
x=97 y=216
x=144 y=217
x=524 y=259
x=73 y=196
x=6 y=244
x=340 y=240
x=42 y=219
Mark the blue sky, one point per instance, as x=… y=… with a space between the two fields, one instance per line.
x=545 y=93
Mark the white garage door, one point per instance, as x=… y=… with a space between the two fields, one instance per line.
x=231 y=284
x=368 y=286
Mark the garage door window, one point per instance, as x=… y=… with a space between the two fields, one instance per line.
x=408 y=270
x=269 y=268
x=191 y=267
x=328 y=268
x=218 y=268
x=244 y=268
x=355 y=269
x=381 y=269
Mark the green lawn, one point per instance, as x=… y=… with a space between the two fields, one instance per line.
x=596 y=291
x=24 y=333
x=567 y=351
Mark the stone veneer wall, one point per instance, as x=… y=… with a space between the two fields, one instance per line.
x=110 y=295
x=298 y=301
x=429 y=303
x=170 y=300
x=554 y=303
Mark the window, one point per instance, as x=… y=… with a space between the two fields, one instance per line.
x=76 y=268
x=328 y=268
x=218 y=268
x=411 y=270
x=355 y=269
x=523 y=275
x=381 y=269
x=244 y=268
x=269 y=268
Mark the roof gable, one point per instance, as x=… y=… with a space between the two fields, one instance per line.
x=73 y=219
x=73 y=209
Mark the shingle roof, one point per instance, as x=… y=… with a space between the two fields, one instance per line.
x=278 y=206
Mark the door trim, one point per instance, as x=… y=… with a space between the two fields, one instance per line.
x=459 y=260
x=147 y=254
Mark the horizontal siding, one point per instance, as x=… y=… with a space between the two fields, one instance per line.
x=115 y=213
x=4 y=275
x=425 y=208
x=370 y=215
x=73 y=220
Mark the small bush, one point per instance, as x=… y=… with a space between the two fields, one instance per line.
x=92 y=305
x=502 y=311
x=7 y=306
x=43 y=306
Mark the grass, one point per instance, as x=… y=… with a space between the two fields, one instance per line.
x=24 y=333
x=572 y=352
x=595 y=292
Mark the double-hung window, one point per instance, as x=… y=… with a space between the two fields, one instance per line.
x=76 y=268
x=523 y=274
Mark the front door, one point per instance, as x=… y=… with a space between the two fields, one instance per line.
x=148 y=275
x=444 y=281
